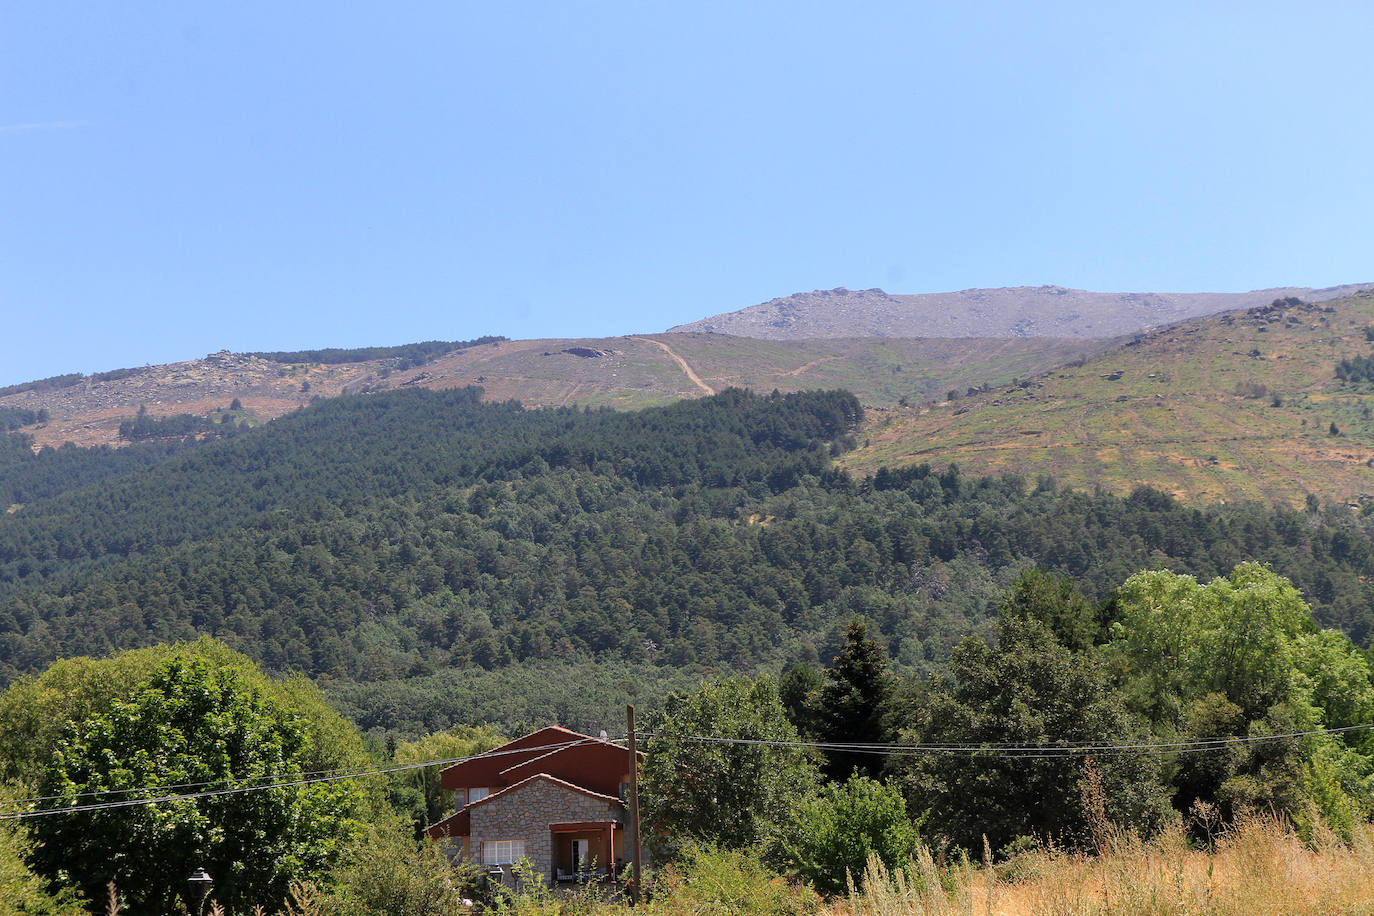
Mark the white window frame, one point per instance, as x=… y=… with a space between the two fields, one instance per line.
x=477 y=793
x=502 y=852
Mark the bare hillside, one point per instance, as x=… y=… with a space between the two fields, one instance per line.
x=620 y=372
x=1022 y=311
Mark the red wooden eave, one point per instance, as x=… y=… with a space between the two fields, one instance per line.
x=597 y=765
x=458 y=824
x=582 y=826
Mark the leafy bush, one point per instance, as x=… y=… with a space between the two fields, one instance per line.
x=840 y=829
x=1359 y=369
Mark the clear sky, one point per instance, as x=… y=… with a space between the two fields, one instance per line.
x=177 y=178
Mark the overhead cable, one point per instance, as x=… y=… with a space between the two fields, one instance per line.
x=18 y=813
x=1002 y=750
x=1056 y=749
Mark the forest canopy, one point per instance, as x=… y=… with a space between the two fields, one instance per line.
x=370 y=540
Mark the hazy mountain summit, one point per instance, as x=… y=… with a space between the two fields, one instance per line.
x=1020 y=311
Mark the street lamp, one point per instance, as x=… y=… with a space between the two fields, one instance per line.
x=199 y=884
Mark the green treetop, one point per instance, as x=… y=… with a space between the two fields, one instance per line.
x=736 y=795
x=190 y=729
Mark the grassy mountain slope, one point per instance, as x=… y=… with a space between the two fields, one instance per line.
x=879 y=372
x=1022 y=311
x=1237 y=406
x=620 y=372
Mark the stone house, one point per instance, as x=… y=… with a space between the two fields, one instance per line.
x=554 y=797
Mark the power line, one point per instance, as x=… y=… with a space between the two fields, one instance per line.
x=338 y=771
x=1010 y=750
x=1004 y=750
x=305 y=779
x=168 y=787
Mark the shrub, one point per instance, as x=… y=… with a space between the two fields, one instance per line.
x=838 y=831
x=388 y=874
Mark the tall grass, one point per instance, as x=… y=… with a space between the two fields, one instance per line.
x=924 y=889
x=1257 y=866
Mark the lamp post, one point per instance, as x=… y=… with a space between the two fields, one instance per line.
x=199 y=884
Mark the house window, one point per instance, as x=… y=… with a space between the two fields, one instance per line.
x=502 y=852
x=476 y=794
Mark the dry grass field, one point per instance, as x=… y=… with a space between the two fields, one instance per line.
x=1257 y=868
x=653 y=369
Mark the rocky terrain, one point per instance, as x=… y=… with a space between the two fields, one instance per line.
x=90 y=411
x=1023 y=311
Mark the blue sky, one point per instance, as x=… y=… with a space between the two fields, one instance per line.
x=179 y=178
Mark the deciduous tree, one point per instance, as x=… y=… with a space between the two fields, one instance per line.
x=190 y=731
x=701 y=785
x=1028 y=690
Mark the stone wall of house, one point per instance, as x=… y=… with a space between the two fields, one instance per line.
x=526 y=814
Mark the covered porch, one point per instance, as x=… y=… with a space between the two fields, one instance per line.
x=587 y=850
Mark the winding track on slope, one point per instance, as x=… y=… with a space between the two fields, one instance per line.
x=696 y=379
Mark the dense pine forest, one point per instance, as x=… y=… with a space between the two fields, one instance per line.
x=374 y=540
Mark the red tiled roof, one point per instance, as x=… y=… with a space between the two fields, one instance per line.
x=546 y=777
x=485 y=769
x=594 y=764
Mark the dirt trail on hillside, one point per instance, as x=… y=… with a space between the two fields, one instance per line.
x=811 y=365
x=696 y=379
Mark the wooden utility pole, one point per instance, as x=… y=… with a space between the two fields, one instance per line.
x=638 y=855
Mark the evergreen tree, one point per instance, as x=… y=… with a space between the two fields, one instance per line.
x=800 y=690
x=854 y=701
